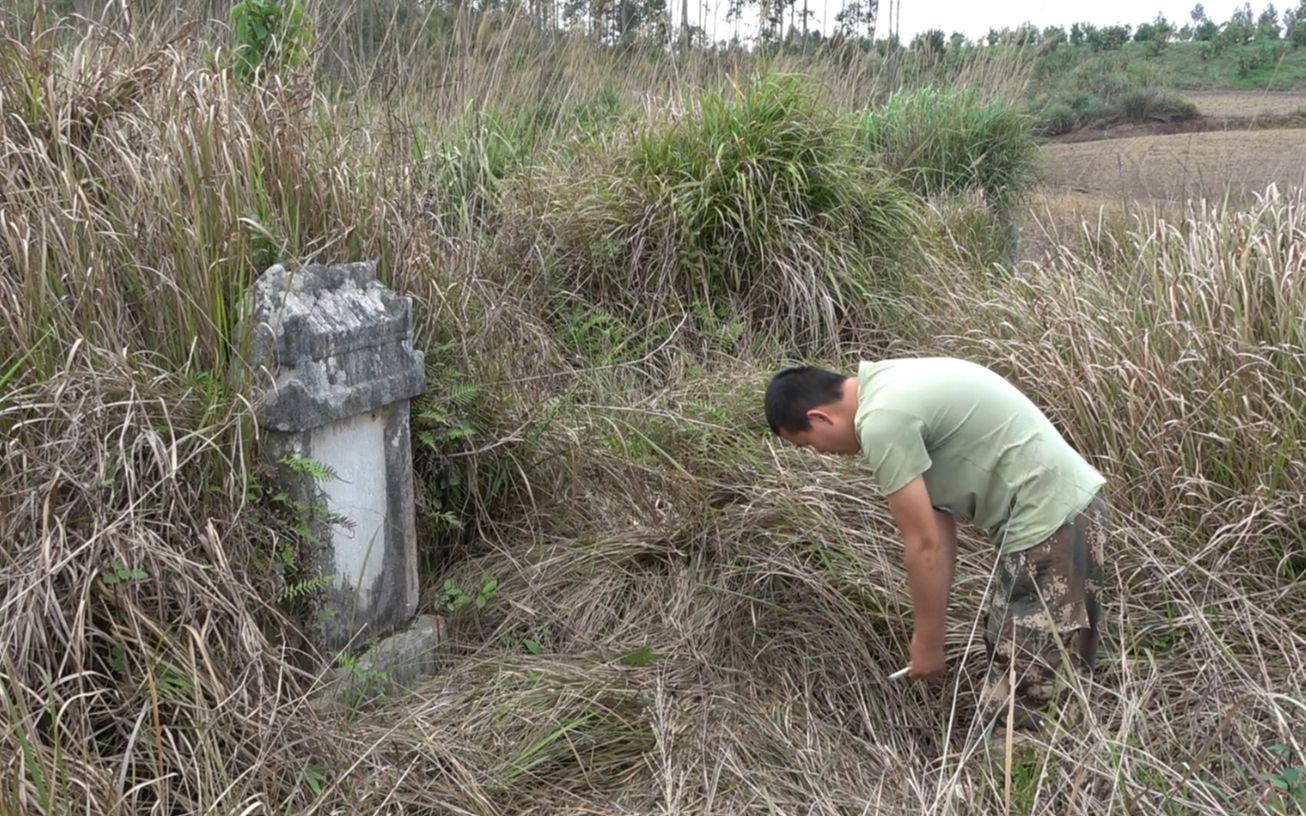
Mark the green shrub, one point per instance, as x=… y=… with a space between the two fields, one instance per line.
x=269 y=34
x=942 y=142
x=1085 y=105
x=1067 y=111
x=1055 y=119
x=765 y=200
x=1141 y=106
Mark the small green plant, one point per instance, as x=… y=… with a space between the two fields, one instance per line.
x=30 y=758
x=311 y=467
x=307 y=520
x=535 y=645
x=314 y=775
x=1289 y=782
x=459 y=398
x=173 y=683
x=453 y=597
x=270 y=34
x=117 y=658
x=595 y=334
x=454 y=433
x=1056 y=119
x=1022 y=781
x=305 y=587
x=365 y=683
x=718 y=324
x=642 y=657
x=121 y=574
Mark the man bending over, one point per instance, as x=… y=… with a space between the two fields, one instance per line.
x=947 y=439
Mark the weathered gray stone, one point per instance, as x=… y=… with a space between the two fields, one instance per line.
x=361 y=525
x=394 y=664
x=332 y=367
x=327 y=343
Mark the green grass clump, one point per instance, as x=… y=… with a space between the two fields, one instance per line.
x=471 y=166
x=1067 y=111
x=1056 y=118
x=1152 y=105
x=763 y=199
x=945 y=142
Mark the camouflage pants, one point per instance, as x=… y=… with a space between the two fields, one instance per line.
x=1046 y=611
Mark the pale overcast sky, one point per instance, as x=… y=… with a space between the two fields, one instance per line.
x=974 y=18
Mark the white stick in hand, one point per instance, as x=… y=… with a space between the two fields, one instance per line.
x=899 y=673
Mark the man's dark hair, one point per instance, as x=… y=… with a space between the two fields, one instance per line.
x=795 y=391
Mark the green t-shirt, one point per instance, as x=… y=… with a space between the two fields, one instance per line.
x=987 y=453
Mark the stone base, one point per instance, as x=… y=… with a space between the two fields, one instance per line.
x=392 y=665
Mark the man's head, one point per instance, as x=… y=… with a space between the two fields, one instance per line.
x=812 y=407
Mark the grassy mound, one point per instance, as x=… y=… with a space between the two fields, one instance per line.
x=1065 y=113
x=764 y=203
x=1105 y=90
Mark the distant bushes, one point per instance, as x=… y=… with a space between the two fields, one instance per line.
x=1148 y=105
x=1066 y=112
x=1107 y=90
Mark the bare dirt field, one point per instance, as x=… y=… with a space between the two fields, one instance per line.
x=1246 y=103
x=1107 y=181
x=1178 y=167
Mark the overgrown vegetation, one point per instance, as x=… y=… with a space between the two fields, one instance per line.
x=652 y=606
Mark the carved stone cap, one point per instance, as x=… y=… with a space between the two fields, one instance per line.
x=327 y=343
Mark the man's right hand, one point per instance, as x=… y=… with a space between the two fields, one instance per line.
x=927 y=659
x=930 y=556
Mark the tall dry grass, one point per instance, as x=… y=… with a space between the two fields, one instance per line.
x=689 y=618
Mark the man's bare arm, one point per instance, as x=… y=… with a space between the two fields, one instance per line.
x=930 y=556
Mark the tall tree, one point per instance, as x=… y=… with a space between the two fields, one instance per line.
x=1267 y=25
